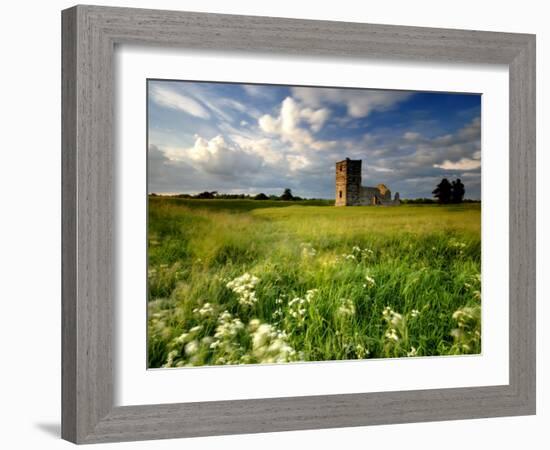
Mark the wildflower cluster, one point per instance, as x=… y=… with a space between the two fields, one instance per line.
x=307 y=250
x=278 y=314
x=396 y=336
x=369 y=281
x=226 y=343
x=244 y=287
x=206 y=310
x=393 y=319
x=269 y=345
x=361 y=352
x=457 y=245
x=185 y=348
x=467 y=335
x=297 y=307
x=359 y=254
x=346 y=308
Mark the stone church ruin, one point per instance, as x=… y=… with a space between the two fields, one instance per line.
x=349 y=191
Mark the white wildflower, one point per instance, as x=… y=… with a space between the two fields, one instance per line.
x=192 y=347
x=205 y=310
x=181 y=338
x=310 y=294
x=269 y=345
x=297 y=307
x=361 y=352
x=457 y=244
x=346 y=308
x=308 y=251
x=370 y=281
x=391 y=334
x=253 y=324
x=244 y=286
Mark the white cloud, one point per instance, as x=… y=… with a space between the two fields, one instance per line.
x=216 y=156
x=359 y=102
x=380 y=169
x=262 y=147
x=316 y=118
x=462 y=164
x=171 y=99
x=287 y=125
x=297 y=162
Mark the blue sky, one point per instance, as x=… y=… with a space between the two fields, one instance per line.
x=238 y=138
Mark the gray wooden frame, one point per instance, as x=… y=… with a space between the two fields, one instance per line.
x=89 y=36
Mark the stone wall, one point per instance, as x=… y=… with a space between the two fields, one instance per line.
x=349 y=191
x=368 y=196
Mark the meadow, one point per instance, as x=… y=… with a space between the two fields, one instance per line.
x=248 y=281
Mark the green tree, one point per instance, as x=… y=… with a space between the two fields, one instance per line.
x=443 y=191
x=287 y=195
x=457 y=191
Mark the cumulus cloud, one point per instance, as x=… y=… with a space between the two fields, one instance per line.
x=287 y=124
x=169 y=98
x=263 y=147
x=216 y=156
x=316 y=118
x=359 y=102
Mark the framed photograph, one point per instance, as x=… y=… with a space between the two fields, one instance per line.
x=277 y=224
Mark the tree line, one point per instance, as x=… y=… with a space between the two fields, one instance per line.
x=285 y=196
x=446 y=192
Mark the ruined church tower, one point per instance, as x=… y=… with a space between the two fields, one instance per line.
x=348 y=182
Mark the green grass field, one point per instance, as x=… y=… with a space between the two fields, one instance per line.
x=244 y=281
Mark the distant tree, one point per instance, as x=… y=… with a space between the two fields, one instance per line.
x=261 y=196
x=443 y=191
x=457 y=191
x=206 y=194
x=287 y=195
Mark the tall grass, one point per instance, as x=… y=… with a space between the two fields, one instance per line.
x=243 y=281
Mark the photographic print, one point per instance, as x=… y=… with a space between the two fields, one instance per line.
x=304 y=224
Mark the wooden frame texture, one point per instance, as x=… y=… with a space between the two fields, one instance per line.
x=90 y=34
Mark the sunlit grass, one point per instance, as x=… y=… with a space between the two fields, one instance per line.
x=322 y=283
